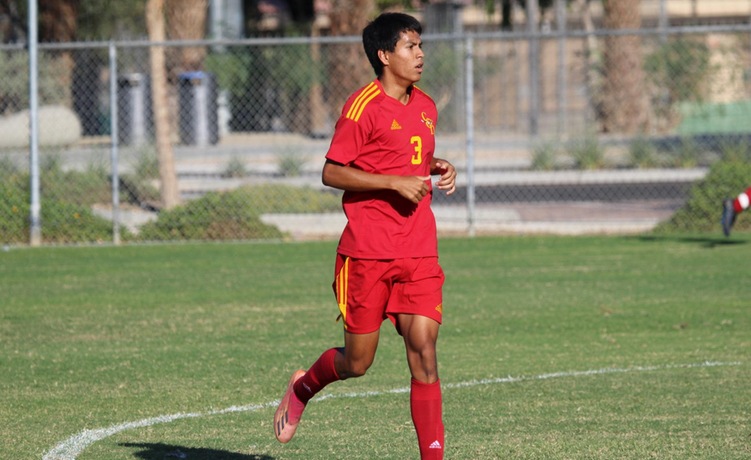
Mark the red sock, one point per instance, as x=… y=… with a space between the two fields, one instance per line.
x=742 y=201
x=427 y=415
x=320 y=374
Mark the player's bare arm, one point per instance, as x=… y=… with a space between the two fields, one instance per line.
x=413 y=188
x=447 y=182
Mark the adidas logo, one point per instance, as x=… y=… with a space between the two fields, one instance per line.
x=435 y=445
x=395 y=125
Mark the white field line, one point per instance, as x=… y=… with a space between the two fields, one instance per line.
x=75 y=445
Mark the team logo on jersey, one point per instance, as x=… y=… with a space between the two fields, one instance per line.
x=429 y=123
x=395 y=125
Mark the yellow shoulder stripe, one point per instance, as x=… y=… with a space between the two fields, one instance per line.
x=367 y=95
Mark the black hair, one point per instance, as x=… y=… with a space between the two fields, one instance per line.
x=383 y=33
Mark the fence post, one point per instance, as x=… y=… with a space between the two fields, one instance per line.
x=534 y=66
x=562 y=23
x=470 y=131
x=35 y=235
x=114 y=147
x=457 y=29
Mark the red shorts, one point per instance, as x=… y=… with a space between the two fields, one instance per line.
x=369 y=291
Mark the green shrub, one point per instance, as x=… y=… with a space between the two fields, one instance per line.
x=80 y=187
x=235 y=168
x=287 y=199
x=66 y=215
x=215 y=216
x=736 y=151
x=290 y=164
x=544 y=157
x=588 y=153
x=8 y=168
x=14 y=92
x=235 y=215
x=643 y=154
x=678 y=71
x=701 y=213
x=14 y=211
x=688 y=155
x=62 y=222
x=146 y=165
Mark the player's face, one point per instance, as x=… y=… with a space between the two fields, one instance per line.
x=406 y=61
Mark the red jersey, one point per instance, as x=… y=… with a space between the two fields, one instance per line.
x=378 y=134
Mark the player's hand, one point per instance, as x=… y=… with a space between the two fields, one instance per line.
x=447 y=182
x=413 y=188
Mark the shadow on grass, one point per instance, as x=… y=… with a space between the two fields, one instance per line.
x=706 y=241
x=159 y=451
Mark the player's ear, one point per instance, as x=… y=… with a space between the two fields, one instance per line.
x=383 y=57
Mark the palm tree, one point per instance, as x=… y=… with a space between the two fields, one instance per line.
x=58 y=23
x=168 y=178
x=178 y=20
x=348 y=66
x=624 y=103
x=186 y=20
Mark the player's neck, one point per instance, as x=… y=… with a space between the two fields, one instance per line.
x=397 y=89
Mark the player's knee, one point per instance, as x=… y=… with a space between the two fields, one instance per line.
x=425 y=352
x=356 y=368
x=423 y=364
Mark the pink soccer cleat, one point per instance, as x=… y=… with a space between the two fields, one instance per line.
x=290 y=410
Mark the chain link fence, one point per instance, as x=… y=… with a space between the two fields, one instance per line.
x=563 y=130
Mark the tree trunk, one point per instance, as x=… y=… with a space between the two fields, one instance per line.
x=58 y=20
x=186 y=20
x=319 y=119
x=58 y=23
x=624 y=101
x=592 y=55
x=507 y=12
x=167 y=175
x=349 y=67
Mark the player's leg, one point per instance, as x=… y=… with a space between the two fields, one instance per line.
x=334 y=364
x=420 y=335
x=362 y=319
x=358 y=354
x=732 y=207
x=416 y=308
x=338 y=364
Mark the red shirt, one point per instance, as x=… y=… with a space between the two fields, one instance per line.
x=378 y=134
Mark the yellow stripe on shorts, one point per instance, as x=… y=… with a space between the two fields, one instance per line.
x=342 y=282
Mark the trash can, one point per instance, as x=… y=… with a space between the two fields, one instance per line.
x=199 y=124
x=134 y=109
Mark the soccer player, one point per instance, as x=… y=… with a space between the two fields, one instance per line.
x=732 y=207
x=381 y=155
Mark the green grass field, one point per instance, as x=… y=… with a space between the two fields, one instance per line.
x=552 y=348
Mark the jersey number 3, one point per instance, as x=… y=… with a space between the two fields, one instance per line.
x=416 y=141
